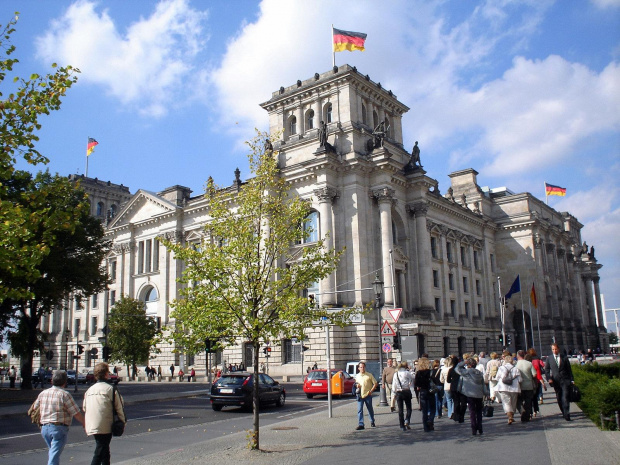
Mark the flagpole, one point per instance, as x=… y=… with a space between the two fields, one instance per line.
x=546 y=194
x=529 y=304
x=86 y=171
x=523 y=314
x=502 y=310
x=538 y=321
x=333 y=52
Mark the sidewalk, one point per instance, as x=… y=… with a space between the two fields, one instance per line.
x=548 y=439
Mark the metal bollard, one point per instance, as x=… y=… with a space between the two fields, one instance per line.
x=618 y=420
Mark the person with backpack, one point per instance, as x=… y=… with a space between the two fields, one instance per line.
x=508 y=386
x=491 y=371
x=473 y=387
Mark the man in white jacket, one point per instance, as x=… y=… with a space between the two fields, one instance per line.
x=99 y=413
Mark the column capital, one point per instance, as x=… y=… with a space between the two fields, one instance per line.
x=384 y=194
x=417 y=209
x=550 y=248
x=326 y=194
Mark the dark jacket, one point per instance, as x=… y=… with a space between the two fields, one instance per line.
x=562 y=374
x=453 y=379
x=473 y=381
x=422 y=379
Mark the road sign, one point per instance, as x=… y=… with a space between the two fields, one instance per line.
x=49 y=354
x=388 y=339
x=409 y=326
x=387 y=347
x=387 y=330
x=395 y=313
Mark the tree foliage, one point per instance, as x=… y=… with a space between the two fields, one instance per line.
x=132 y=334
x=613 y=338
x=75 y=247
x=20 y=113
x=245 y=280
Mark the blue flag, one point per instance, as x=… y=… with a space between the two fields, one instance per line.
x=516 y=287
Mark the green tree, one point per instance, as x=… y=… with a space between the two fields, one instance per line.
x=133 y=335
x=613 y=338
x=20 y=112
x=246 y=279
x=59 y=217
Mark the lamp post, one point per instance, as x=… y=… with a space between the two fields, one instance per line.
x=377 y=286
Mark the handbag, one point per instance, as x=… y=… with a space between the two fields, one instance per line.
x=433 y=389
x=487 y=410
x=35 y=415
x=575 y=393
x=118 y=425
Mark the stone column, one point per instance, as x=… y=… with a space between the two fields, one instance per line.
x=402 y=288
x=318 y=114
x=299 y=114
x=385 y=198
x=326 y=196
x=599 y=304
x=359 y=108
x=423 y=245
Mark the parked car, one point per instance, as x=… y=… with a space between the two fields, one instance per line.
x=315 y=383
x=236 y=389
x=113 y=379
x=90 y=376
x=81 y=377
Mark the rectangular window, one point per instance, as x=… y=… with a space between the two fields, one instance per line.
x=435 y=278
x=463 y=257
x=467 y=309
x=434 y=247
x=479 y=310
x=76 y=327
x=465 y=285
x=93 y=326
x=113 y=270
x=155 y=255
x=451 y=281
x=437 y=304
x=453 y=307
x=449 y=251
x=95 y=301
x=148 y=244
x=476 y=264
x=492 y=262
x=292 y=351
x=112 y=297
x=140 y=257
x=477 y=287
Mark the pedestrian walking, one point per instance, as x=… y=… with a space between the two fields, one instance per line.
x=508 y=387
x=448 y=366
x=402 y=384
x=101 y=401
x=365 y=384
x=528 y=375
x=386 y=378
x=491 y=371
x=12 y=375
x=439 y=393
x=422 y=383
x=159 y=372
x=473 y=387
x=57 y=409
x=460 y=400
x=560 y=376
x=172 y=370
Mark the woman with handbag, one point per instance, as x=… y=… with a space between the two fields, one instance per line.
x=101 y=404
x=422 y=383
x=436 y=377
x=473 y=387
x=402 y=383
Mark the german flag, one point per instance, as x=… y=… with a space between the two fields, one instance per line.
x=550 y=189
x=348 y=40
x=90 y=147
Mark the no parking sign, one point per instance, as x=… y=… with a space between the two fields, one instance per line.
x=387 y=347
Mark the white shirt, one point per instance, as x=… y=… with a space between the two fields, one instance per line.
x=402 y=381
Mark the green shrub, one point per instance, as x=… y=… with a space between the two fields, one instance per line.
x=600 y=390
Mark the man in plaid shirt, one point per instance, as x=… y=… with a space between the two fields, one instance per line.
x=57 y=409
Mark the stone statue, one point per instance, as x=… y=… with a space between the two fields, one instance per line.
x=415 y=155
x=322 y=134
x=463 y=200
x=379 y=134
x=592 y=252
x=450 y=194
x=268 y=146
x=584 y=248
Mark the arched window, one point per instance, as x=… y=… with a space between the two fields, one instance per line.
x=375 y=119
x=292 y=125
x=328 y=113
x=100 y=209
x=309 y=120
x=150 y=297
x=311 y=227
x=113 y=210
x=364 y=117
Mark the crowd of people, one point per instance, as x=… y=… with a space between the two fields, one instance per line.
x=452 y=386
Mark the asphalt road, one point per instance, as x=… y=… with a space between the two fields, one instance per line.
x=155 y=426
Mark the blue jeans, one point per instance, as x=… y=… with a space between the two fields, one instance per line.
x=449 y=402
x=55 y=438
x=439 y=401
x=360 y=410
x=427 y=402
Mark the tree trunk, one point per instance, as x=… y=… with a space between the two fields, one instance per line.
x=32 y=322
x=255 y=442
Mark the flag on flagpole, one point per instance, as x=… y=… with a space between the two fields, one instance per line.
x=348 y=40
x=533 y=296
x=90 y=148
x=550 y=189
x=516 y=287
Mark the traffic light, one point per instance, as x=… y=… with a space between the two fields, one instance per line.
x=304 y=348
x=501 y=339
x=208 y=345
x=396 y=344
x=106 y=353
x=267 y=351
x=80 y=349
x=509 y=339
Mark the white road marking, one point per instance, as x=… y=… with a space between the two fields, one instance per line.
x=153 y=416
x=21 y=436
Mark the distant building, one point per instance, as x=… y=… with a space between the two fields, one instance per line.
x=439 y=254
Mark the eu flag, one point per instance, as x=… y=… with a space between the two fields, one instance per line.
x=516 y=287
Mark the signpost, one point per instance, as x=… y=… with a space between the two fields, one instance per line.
x=387 y=330
x=387 y=347
x=395 y=313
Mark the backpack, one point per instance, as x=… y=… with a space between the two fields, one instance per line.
x=508 y=377
x=493 y=371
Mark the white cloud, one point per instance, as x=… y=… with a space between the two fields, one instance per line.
x=146 y=67
x=606 y=3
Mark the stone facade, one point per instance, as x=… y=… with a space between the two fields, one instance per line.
x=441 y=256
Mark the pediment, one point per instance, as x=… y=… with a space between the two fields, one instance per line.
x=143 y=206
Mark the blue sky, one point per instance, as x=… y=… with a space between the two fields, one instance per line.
x=522 y=91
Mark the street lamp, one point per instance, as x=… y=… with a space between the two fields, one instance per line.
x=377 y=286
